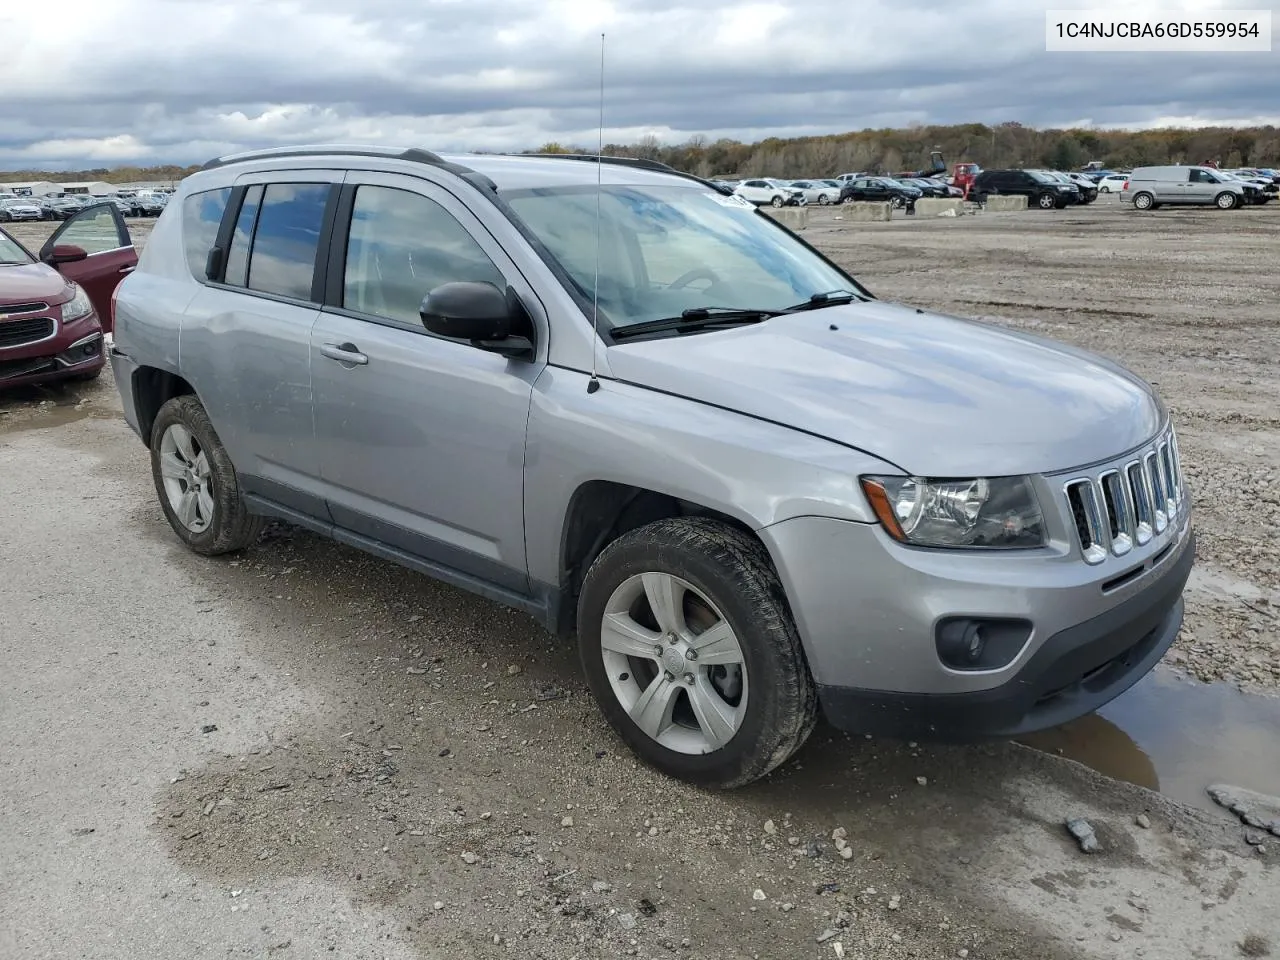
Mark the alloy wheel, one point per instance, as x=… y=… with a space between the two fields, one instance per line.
x=674 y=663
x=187 y=481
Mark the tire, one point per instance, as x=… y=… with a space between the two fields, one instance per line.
x=1144 y=201
x=1226 y=200
x=897 y=202
x=725 y=578
x=1046 y=201
x=221 y=521
x=777 y=201
x=824 y=199
x=1104 y=189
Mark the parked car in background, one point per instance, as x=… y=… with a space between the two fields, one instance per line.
x=882 y=189
x=817 y=191
x=773 y=193
x=1040 y=189
x=1151 y=187
x=21 y=208
x=59 y=208
x=1087 y=187
x=927 y=187
x=1258 y=189
x=1113 y=183
x=55 y=308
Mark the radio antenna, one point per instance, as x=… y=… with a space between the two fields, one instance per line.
x=594 y=383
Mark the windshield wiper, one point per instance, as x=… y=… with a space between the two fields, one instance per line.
x=695 y=318
x=828 y=298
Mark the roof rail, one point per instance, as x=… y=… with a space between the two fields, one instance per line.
x=318 y=150
x=637 y=162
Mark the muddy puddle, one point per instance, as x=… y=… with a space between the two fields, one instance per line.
x=1177 y=736
x=18 y=419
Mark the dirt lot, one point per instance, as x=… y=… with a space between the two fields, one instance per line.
x=401 y=770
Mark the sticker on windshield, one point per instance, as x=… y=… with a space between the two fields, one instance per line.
x=732 y=200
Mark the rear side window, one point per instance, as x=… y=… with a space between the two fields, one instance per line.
x=201 y=216
x=283 y=256
x=242 y=237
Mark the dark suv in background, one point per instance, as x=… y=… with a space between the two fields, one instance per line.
x=880 y=188
x=1040 y=189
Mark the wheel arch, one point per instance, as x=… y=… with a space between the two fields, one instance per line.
x=152 y=388
x=600 y=511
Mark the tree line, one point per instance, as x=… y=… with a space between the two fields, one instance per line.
x=882 y=151
x=1004 y=145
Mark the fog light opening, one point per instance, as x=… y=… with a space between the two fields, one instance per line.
x=988 y=644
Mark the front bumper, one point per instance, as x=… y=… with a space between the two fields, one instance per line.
x=1075 y=672
x=867 y=610
x=74 y=349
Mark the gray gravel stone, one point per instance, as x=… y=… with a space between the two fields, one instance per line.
x=1082 y=830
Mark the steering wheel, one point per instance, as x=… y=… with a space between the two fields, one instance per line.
x=697 y=273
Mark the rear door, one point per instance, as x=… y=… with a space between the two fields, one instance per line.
x=246 y=334
x=100 y=232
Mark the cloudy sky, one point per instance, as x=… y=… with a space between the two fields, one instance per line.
x=147 y=81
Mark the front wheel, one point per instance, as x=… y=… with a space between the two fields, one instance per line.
x=690 y=650
x=777 y=201
x=1104 y=189
x=824 y=199
x=1225 y=200
x=196 y=481
x=1046 y=201
x=897 y=202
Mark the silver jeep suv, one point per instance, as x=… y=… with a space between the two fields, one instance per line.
x=649 y=415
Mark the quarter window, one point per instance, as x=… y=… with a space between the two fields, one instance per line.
x=201 y=216
x=283 y=257
x=402 y=245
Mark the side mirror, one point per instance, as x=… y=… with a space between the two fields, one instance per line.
x=479 y=312
x=65 y=253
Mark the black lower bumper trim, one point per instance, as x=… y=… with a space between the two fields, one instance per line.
x=1074 y=672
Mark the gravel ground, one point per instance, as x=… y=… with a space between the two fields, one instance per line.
x=304 y=750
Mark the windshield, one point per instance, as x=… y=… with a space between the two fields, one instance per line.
x=667 y=249
x=1042 y=177
x=10 y=252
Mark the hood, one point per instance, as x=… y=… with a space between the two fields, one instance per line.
x=27 y=282
x=935 y=395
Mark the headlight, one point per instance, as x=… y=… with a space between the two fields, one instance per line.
x=78 y=306
x=1000 y=512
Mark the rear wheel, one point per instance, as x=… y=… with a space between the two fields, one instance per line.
x=691 y=652
x=196 y=481
x=1226 y=200
x=1144 y=201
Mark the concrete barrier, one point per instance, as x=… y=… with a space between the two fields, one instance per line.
x=939 y=207
x=1004 y=204
x=861 y=211
x=794 y=218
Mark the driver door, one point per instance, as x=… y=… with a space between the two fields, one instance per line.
x=96 y=253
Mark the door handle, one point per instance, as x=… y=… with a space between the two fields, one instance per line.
x=127 y=269
x=344 y=353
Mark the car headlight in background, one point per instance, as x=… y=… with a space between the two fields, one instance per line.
x=78 y=306
x=999 y=512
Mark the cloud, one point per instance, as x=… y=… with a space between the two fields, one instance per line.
x=142 y=81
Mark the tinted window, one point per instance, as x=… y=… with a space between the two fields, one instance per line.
x=201 y=215
x=95 y=231
x=283 y=257
x=242 y=238
x=402 y=245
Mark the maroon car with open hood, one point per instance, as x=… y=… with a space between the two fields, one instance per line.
x=55 y=308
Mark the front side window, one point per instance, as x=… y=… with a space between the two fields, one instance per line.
x=666 y=249
x=402 y=245
x=283 y=258
x=201 y=217
x=95 y=231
